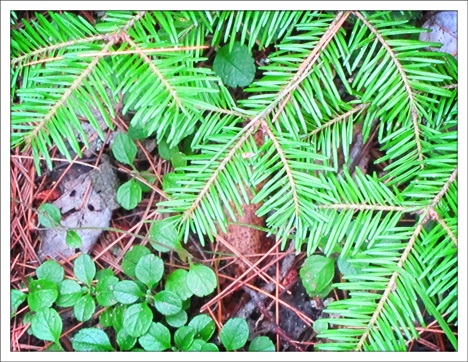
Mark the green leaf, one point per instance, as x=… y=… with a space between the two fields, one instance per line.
x=167 y=303
x=103 y=273
x=127 y=292
x=204 y=326
x=164 y=233
x=320 y=326
x=137 y=319
x=209 y=347
x=106 y=317
x=73 y=239
x=201 y=280
x=84 y=269
x=69 y=293
x=17 y=297
x=42 y=293
x=178 y=159
x=125 y=341
x=157 y=339
x=235 y=68
x=317 y=273
x=196 y=346
x=28 y=317
x=234 y=334
x=129 y=195
x=261 y=344
x=165 y=151
x=91 y=340
x=49 y=215
x=118 y=316
x=149 y=270
x=177 y=320
x=46 y=324
x=105 y=291
x=176 y=282
x=184 y=337
x=55 y=347
x=132 y=257
x=84 y=308
x=51 y=270
x=124 y=149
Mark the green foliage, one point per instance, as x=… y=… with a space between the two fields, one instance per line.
x=46 y=324
x=129 y=194
x=49 y=215
x=320 y=326
x=149 y=270
x=235 y=66
x=234 y=334
x=91 y=340
x=69 y=293
x=131 y=258
x=42 y=294
x=316 y=275
x=201 y=280
x=165 y=151
x=132 y=305
x=73 y=239
x=157 y=339
x=167 y=303
x=329 y=72
x=204 y=326
x=261 y=344
x=84 y=308
x=84 y=269
x=163 y=232
x=177 y=282
x=51 y=270
x=16 y=298
x=124 y=149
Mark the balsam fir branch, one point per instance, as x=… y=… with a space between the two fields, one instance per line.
x=328 y=72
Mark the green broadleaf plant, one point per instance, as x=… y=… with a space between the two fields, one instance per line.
x=235 y=66
x=328 y=72
x=316 y=275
